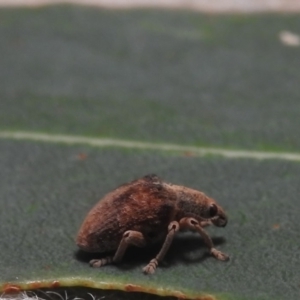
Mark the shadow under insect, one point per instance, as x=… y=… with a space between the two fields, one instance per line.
x=187 y=248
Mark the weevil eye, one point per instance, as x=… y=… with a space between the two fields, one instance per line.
x=213 y=210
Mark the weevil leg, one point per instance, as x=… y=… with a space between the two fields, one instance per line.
x=205 y=223
x=172 y=229
x=97 y=263
x=193 y=224
x=130 y=237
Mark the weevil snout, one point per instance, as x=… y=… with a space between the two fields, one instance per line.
x=217 y=214
x=223 y=221
x=220 y=221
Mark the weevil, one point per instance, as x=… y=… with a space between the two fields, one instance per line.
x=146 y=211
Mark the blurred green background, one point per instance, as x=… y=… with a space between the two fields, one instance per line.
x=158 y=76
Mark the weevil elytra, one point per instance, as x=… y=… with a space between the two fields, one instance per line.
x=146 y=211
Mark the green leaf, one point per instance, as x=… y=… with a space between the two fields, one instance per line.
x=154 y=76
x=46 y=191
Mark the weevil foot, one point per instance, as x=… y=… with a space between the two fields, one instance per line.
x=219 y=255
x=97 y=263
x=151 y=267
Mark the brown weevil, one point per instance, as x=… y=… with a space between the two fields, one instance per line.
x=147 y=211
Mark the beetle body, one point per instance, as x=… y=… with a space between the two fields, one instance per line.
x=146 y=206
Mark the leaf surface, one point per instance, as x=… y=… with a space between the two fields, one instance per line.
x=46 y=191
x=153 y=76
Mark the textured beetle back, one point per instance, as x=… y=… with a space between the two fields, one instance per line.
x=144 y=205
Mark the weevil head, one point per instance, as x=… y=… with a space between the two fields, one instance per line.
x=209 y=209
x=195 y=203
x=216 y=214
